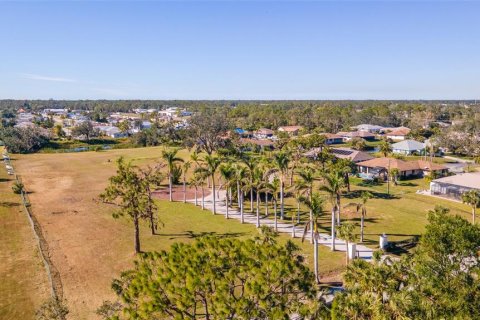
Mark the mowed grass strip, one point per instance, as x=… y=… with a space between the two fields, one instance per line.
x=24 y=283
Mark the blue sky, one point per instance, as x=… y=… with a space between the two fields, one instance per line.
x=240 y=50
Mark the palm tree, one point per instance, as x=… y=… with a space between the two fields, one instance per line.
x=315 y=203
x=385 y=148
x=240 y=174
x=195 y=182
x=258 y=184
x=345 y=166
x=186 y=167
x=201 y=176
x=211 y=166
x=362 y=209
x=266 y=187
x=346 y=232
x=323 y=156
x=281 y=161
x=305 y=185
x=333 y=184
x=266 y=165
x=297 y=154
x=227 y=172
x=472 y=198
x=394 y=172
x=170 y=157
x=250 y=163
x=273 y=187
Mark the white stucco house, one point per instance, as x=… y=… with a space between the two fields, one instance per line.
x=408 y=147
x=455 y=186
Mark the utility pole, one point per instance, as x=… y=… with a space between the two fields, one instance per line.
x=388 y=178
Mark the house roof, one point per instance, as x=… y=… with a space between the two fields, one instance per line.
x=365 y=126
x=401 y=165
x=258 y=142
x=290 y=128
x=331 y=136
x=400 y=131
x=264 y=131
x=343 y=153
x=351 y=154
x=359 y=134
x=239 y=130
x=408 y=145
x=468 y=180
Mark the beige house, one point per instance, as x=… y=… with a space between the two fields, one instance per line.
x=406 y=169
x=291 y=130
x=398 y=134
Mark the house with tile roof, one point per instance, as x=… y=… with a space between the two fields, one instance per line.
x=398 y=134
x=263 y=133
x=350 y=154
x=342 y=153
x=406 y=169
x=291 y=130
x=331 y=138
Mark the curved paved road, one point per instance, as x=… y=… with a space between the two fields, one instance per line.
x=362 y=251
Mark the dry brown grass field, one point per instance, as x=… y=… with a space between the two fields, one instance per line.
x=24 y=284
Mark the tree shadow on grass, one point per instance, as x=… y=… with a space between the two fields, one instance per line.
x=9 y=204
x=194 y=235
x=407 y=184
x=378 y=195
x=403 y=246
x=396 y=247
x=357 y=220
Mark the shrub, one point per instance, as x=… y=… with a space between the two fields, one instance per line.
x=18 y=187
x=53 y=309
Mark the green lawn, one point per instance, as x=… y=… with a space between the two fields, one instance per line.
x=24 y=284
x=435 y=159
x=185 y=222
x=402 y=215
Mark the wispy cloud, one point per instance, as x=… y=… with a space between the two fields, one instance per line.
x=45 y=78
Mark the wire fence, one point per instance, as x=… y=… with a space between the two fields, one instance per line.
x=54 y=278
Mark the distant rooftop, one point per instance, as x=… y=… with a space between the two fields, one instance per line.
x=409 y=145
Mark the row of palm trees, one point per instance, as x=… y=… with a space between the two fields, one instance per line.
x=255 y=175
